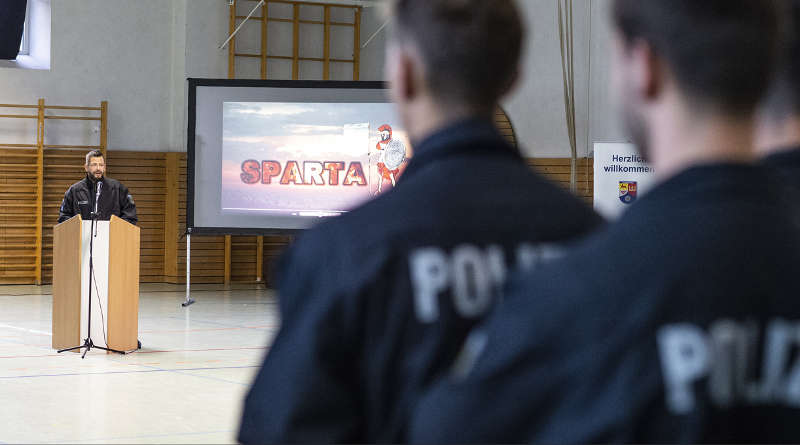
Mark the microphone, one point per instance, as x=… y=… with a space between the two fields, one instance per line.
x=97 y=196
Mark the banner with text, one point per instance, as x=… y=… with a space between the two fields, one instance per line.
x=620 y=178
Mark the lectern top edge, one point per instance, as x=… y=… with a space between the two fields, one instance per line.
x=78 y=216
x=70 y=220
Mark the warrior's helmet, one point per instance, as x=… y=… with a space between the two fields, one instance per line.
x=385 y=131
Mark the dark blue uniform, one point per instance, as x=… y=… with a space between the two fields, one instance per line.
x=786 y=166
x=376 y=302
x=679 y=323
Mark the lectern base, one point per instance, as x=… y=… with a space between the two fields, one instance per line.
x=89 y=344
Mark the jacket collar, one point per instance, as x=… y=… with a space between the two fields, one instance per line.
x=783 y=157
x=469 y=136
x=88 y=179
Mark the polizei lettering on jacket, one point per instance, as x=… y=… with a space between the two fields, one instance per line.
x=731 y=363
x=319 y=173
x=472 y=275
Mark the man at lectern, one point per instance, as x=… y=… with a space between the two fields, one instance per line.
x=97 y=194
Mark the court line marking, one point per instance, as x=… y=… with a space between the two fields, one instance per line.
x=180 y=371
x=32 y=331
x=216 y=323
x=144 y=436
x=151 y=369
x=245 y=348
x=29 y=356
x=50 y=295
x=54 y=354
x=183 y=291
x=161 y=331
x=9 y=341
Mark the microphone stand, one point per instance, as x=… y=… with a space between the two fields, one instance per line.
x=88 y=343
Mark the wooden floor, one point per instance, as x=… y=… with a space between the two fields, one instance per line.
x=185 y=385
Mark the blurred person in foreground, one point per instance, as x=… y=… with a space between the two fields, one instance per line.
x=778 y=131
x=375 y=303
x=679 y=322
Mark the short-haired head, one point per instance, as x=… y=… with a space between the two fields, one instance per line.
x=94 y=154
x=470 y=49
x=721 y=53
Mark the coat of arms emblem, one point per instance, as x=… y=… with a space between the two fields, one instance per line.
x=627 y=191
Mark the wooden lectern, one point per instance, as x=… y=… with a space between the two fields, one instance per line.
x=115 y=287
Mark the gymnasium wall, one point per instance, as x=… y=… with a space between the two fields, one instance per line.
x=604 y=125
x=137 y=56
x=536 y=106
x=103 y=50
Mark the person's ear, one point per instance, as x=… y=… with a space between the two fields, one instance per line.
x=646 y=70
x=403 y=74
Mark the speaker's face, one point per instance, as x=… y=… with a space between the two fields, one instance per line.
x=96 y=167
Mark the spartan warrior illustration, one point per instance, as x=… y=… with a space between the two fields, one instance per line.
x=393 y=154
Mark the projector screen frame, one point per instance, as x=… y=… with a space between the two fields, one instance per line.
x=191 y=135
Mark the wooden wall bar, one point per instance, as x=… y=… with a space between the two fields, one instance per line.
x=33 y=178
x=18 y=182
x=144 y=173
x=62 y=168
x=557 y=170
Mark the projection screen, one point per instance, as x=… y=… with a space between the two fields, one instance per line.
x=280 y=156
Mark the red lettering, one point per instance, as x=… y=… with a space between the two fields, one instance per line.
x=312 y=173
x=355 y=175
x=333 y=169
x=269 y=169
x=250 y=172
x=291 y=174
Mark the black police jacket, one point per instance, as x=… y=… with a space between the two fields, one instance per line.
x=677 y=324
x=376 y=302
x=114 y=200
x=785 y=165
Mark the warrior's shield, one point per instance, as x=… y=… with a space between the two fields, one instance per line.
x=394 y=154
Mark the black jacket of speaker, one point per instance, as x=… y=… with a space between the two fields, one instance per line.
x=114 y=200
